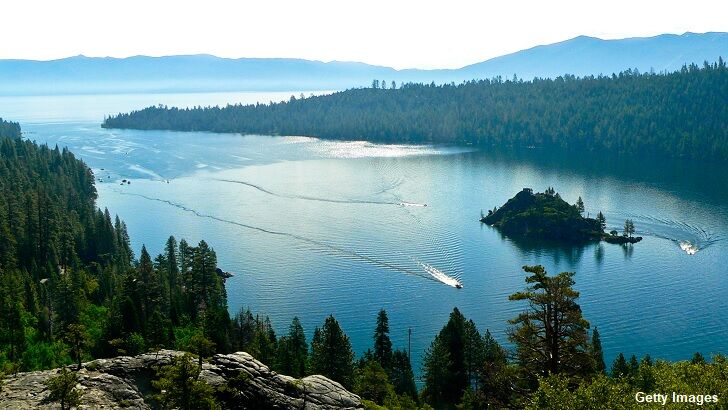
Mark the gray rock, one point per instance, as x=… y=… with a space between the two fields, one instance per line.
x=241 y=382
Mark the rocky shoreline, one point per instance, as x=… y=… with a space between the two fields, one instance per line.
x=123 y=382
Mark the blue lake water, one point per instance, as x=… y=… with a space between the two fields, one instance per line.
x=314 y=227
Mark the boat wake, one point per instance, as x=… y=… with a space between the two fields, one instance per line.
x=440 y=276
x=414 y=204
x=317 y=199
x=431 y=272
x=689 y=238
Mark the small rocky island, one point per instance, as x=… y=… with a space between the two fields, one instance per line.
x=547 y=216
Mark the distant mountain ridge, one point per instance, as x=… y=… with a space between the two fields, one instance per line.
x=194 y=73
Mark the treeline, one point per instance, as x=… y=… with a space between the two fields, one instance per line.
x=667 y=114
x=9 y=129
x=70 y=286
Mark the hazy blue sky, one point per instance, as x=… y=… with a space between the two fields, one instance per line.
x=401 y=34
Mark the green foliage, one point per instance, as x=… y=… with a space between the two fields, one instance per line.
x=551 y=335
x=602 y=220
x=62 y=389
x=9 y=129
x=331 y=353
x=580 y=205
x=372 y=383
x=556 y=392
x=382 y=343
x=620 y=368
x=201 y=346
x=628 y=228
x=597 y=353
x=292 y=355
x=451 y=360
x=496 y=378
x=77 y=337
x=402 y=376
x=180 y=388
x=543 y=216
x=669 y=114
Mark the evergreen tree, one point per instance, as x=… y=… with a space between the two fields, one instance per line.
x=445 y=386
x=293 y=351
x=373 y=383
x=628 y=228
x=474 y=353
x=331 y=353
x=62 y=390
x=597 y=353
x=78 y=338
x=436 y=367
x=201 y=346
x=580 y=205
x=551 y=336
x=634 y=368
x=495 y=386
x=382 y=343
x=620 y=369
x=602 y=220
x=180 y=387
x=401 y=374
x=698 y=358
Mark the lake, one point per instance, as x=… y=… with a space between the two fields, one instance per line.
x=312 y=228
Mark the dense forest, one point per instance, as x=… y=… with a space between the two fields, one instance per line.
x=71 y=289
x=668 y=114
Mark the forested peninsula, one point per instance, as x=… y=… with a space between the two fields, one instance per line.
x=677 y=114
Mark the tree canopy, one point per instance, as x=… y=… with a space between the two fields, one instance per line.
x=678 y=114
x=551 y=334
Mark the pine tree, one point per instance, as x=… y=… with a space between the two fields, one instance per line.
x=602 y=221
x=436 y=366
x=628 y=228
x=401 y=375
x=293 y=351
x=382 y=343
x=620 y=369
x=495 y=381
x=597 y=353
x=62 y=390
x=180 y=387
x=445 y=386
x=580 y=205
x=331 y=353
x=78 y=338
x=474 y=353
x=551 y=336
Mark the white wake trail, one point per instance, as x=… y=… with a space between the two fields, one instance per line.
x=440 y=275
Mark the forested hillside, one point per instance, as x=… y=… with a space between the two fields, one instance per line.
x=70 y=287
x=676 y=114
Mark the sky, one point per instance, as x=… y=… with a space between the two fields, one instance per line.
x=394 y=33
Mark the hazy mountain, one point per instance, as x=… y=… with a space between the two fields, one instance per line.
x=588 y=55
x=580 y=56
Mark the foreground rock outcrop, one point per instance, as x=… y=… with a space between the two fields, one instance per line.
x=123 y=382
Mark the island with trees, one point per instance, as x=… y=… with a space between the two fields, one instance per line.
x=547 y=216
